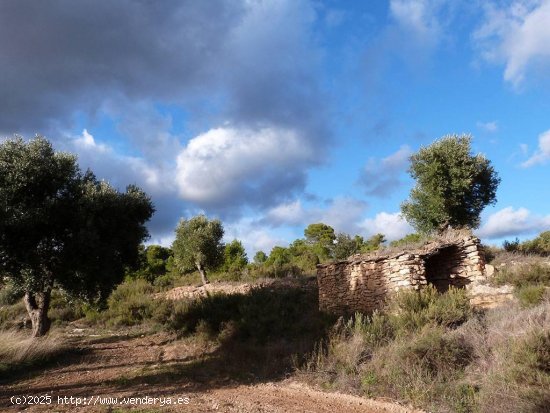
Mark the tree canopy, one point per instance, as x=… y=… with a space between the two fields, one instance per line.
x=198 y=244
x=235 y=258
x=61 y=227
x=452 y=186
x=321 y=237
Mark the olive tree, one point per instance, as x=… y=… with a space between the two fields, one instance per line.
x=60 y=227
x=198 y=244
x=452 y=186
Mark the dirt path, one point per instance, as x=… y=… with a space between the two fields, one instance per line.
x=149 y=367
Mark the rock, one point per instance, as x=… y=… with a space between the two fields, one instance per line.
x=489 y=270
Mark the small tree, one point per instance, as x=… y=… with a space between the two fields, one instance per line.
x=198 y=245
x=452 y=186
x=373 y=243
x=345 y=246
x=234 y=257
x=59 y=227
x=260 y=257
x=153 y=262
x=321 y=237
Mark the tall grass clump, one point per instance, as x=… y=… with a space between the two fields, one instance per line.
x=18 y=350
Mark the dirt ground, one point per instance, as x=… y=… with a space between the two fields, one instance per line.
x=146 y=367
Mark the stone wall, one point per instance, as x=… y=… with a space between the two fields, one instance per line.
x=364 y=282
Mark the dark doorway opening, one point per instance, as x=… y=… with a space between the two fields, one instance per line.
x=442 y=268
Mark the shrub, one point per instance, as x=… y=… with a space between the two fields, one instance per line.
x=10 y=295
x=412 y=310
x=13 y=316
x=64 y=308
x=437 y=353
x=530 y=295
x=523 y=274
x=130 y=303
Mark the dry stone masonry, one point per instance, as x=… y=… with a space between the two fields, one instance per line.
x=364 y=282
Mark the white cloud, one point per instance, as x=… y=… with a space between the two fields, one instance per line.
x=381 y=177
x=119 y=170
x=343 y=214
x=518 y=35
x=542 y=154
x=87 y=142
x=417 y=16
x=253 y=237
x=490 y=127
x=291 y=213
x=393 y=226
x=230 y=166
x=513 y=222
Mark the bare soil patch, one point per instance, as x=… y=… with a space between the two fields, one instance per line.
x=157 y=365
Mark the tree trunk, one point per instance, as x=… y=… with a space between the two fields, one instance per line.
x=37 y=306
x=203 y=274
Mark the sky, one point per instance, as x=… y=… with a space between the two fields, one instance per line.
x=274 y=114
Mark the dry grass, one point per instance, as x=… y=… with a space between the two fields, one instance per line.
x=449 y=236
x=493 y=362
x=512 y=258
x=18 y=350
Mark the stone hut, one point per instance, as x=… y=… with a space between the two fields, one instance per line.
x=364 y=282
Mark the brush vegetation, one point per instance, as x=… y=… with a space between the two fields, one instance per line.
x=433 y=351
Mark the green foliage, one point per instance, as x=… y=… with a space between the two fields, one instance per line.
x=412 y=352
x=321 y=237
x=198 y=245
x=59 y=225
x=344 y=246
x=260 y=257
x=412 y=310
x=303 y=256
x=9 y=294
x=452 y=186
x=12 y=316
x=278 y=257
x=373 y=243
x=530 y=295
x=539 y=245
x=436 y=353
x=154 y=261
x=234 y=257
x=130 y=303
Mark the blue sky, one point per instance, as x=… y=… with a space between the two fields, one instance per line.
x=272 y=115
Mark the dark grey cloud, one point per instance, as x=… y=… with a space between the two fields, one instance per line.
x=249 y=66
x=60 y=56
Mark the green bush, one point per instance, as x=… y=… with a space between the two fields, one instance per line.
x=12 y=316
x=9 y=295
x=530 y=295
x=437 y=353
x=130 y=303
x=64 y=308
x=412 y=310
